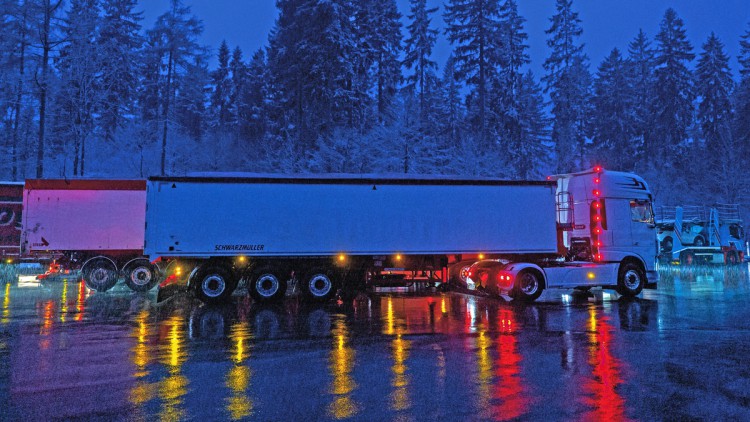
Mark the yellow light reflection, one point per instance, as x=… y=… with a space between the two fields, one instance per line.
x=443 y=307
x=80 y=301
x=6 y=305
x=400 y=399
x=64 y=301
x=390 y=320
x=173 y=354
x=484 y=370
x=239 y=405
x=340 y=365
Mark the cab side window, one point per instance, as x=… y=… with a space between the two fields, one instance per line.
x=641 y=212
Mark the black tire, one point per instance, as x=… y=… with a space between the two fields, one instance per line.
x=214 y=284
x=667 y=244
x=687 y=258
x=99 y=274
x=528 y=286
x=630 y=279
x=732 y=258
x=140 y=275
x=319 y=284
x=266 y=285
x=699 y=241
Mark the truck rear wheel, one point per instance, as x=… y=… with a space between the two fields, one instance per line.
x=318 y=284
x=528 y=286
x=99 y=274
x=140 y=275
x=215 y=284
x=266 y=285
x=630 y=279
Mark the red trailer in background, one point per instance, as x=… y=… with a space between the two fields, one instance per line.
x=96 y=226
x=11 y=203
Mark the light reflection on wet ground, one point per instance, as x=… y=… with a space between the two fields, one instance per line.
x=675 y=353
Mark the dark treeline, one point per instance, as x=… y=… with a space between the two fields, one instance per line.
x=351 y=86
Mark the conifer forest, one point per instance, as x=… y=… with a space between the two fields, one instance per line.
x=351 y=86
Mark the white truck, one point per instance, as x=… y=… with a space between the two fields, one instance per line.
x=329 y=231
x=96 y=226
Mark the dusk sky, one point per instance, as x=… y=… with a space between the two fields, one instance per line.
x=606 y=23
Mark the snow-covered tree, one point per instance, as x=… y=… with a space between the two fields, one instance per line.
x=742 y=96
x=221 y=96
x=472 y=27
x=80 y=92
x=568 y=83
x=121 y=44
x=641 y=83
x=173 y=43
x=613 y=121
x=714 y=87
x=530 y=151
x=674 y=87
x=418 y=51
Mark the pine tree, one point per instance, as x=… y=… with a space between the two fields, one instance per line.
x=122 y=43
x=674 y=87
x=641 y=83
x=220 y=98
x=714 y=87
x=453 y=111
x=173 y=42
x=742 y=96
x=380 y=28
x=529 y=152
x=255 y=114
x=613 y=121
x=418 y=50
x=80 y=91
x=568 y=82
x=472 y=27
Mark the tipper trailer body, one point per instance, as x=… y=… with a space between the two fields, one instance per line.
x=325 y=231
x=92 y=225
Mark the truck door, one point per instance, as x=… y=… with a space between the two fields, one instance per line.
x=643 y=229
x=618 y=224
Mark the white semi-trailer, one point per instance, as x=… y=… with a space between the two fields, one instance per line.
x=92 y=225
x=327 y=231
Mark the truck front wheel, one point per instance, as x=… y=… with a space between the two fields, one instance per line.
x=99 y=274
x=318 y=284
x=266 y=286
x=630 y=279
x=528 y=286
x=215 y=285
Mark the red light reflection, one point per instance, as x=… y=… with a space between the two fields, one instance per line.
x=509 y=392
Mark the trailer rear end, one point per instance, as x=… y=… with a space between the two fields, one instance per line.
x=11 y=205
x=92 y=225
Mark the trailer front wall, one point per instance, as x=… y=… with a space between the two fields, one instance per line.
x=204 y=218
x=84 y=215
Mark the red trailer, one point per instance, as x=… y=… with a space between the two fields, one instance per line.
x=11 y=203
x=96 y=226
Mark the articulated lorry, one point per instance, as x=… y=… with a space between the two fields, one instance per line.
x=328 y=232
x=717 y=237
x=95 y=226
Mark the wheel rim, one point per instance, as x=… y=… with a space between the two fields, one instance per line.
x=668 y=245
x=99 y=276
x=267 y=285
x=699 y=241
x=319 y=285
x=141 y=276
x=213 y=285
x=529 y=284
x=632 y=279
x=689 y=258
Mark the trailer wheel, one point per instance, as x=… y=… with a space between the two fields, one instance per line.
x=140 y=275
x=667 y=244
x=630 y=279
x=215 y=284
x=266 y=285
x=732 y=258
x=528 y=286
x=687 y=258
x=99 y=274
x=318 y=284
x=699 y=241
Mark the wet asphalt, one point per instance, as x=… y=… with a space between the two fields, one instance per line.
x=675 y=353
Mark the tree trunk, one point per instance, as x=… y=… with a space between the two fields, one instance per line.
x=167 y=98
x=19 y=93
x=49 y=9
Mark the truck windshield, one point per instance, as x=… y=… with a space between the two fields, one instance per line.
x=640 y=211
